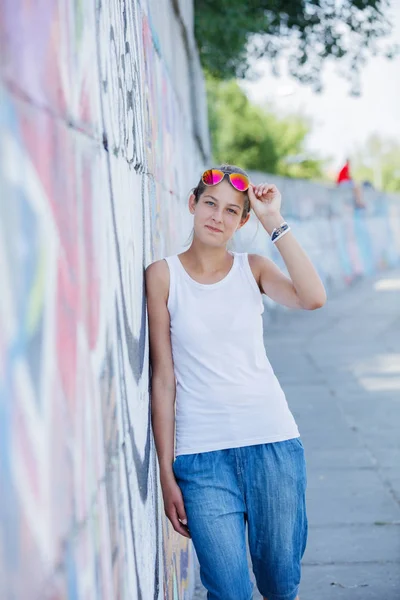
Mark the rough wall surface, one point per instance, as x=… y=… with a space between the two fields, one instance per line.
x=100 y=141
x=102 y=134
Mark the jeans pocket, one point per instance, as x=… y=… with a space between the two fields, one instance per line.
x=298 y=442
x=175 y=463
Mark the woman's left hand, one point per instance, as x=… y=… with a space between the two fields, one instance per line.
x=265 y=200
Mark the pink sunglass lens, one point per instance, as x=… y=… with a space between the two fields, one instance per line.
x=240 y=182
x=212 y=177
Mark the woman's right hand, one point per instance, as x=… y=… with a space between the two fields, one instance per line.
x=173 y=504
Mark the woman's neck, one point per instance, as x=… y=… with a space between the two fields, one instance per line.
x=207 y=260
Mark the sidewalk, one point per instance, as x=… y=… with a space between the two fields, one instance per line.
x=340 y=369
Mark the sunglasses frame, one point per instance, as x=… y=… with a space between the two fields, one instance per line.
x=223 y=176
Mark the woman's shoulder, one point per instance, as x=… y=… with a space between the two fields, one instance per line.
x=258 y=264
x=248 y=256
x=257 y=261
x=157 y=266
x=157 y=275
x=253 y=260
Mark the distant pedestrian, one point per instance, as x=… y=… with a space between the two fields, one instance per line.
x=344 y=174
x=344 y=179
x=239 y=457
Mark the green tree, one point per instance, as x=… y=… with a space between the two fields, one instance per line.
x=378 y=161
x=253 y=137
x=230 y=33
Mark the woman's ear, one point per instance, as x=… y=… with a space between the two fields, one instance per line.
x=192 y=203
x=243 y=222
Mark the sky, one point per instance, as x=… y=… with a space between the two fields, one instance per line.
x=341 y=123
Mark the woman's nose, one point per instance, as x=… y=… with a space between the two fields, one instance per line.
x=217 y=216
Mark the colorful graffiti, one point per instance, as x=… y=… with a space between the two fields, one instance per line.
x=92 y=138
x=98 y=151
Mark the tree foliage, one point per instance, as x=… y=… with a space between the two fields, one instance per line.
x=255 y=138
x=378 y=162
x=230 y=33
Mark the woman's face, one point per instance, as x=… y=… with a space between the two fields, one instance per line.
x=218 y=213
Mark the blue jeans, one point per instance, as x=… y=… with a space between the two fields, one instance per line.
x=263 y=485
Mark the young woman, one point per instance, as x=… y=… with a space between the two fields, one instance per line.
x=239 y=457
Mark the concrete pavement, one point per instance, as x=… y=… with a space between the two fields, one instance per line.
x=340 y=369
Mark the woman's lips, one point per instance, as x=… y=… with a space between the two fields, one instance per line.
x=213 y=229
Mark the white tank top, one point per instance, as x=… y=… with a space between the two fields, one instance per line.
x=227 y=394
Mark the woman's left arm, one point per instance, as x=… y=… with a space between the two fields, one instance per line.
x=304 y=289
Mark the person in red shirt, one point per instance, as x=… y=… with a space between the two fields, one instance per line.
x=344 y=178
x=344 y=173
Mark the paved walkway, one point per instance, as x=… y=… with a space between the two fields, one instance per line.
x=340 y=369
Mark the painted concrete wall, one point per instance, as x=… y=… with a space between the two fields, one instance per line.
x=101 y=138
x=103 y=132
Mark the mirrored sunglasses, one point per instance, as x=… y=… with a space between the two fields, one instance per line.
x=213 y=176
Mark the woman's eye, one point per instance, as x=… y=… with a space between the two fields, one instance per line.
x=210 y=202
x=232 y=210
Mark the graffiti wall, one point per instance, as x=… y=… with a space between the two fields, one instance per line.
x=95 y=125
x=103 y=131
x=347 y=235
